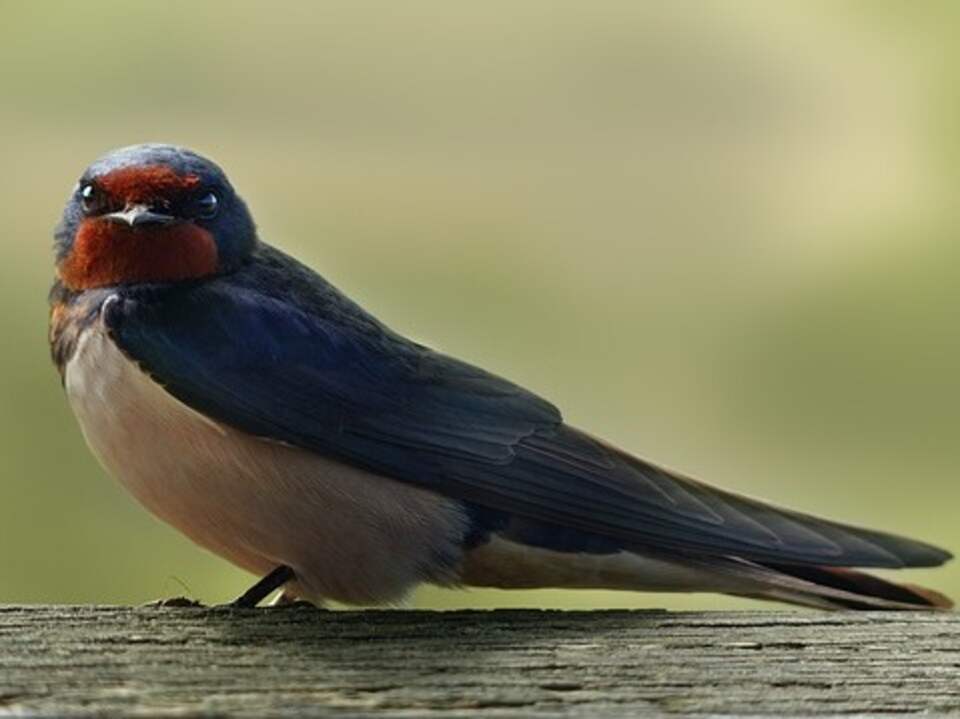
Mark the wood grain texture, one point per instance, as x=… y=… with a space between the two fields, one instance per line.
x=112 y=661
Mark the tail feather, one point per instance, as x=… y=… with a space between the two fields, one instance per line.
x=515 y=561
x=837 y=588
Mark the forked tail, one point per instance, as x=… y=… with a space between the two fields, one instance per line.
x=838 y=588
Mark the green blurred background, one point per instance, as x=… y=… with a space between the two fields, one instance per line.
x=720 y=234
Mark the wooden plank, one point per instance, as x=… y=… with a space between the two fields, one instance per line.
x=95 y=661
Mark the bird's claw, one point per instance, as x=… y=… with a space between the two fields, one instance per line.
x=174 y=602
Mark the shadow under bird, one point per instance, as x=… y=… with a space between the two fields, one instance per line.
x=247 y=402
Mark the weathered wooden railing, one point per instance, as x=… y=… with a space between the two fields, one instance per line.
x=111 y=661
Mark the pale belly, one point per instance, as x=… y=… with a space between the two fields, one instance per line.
x=349 y=535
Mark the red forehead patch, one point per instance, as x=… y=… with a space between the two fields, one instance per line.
x=148 y=182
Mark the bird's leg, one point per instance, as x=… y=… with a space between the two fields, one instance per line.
x=259 y=591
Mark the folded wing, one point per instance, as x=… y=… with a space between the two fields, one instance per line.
x=338 y=383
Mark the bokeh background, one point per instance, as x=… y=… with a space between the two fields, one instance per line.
x=720 y=234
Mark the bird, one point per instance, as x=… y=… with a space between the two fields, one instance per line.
x=244 y=400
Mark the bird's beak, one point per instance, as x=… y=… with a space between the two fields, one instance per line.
x=136 y=215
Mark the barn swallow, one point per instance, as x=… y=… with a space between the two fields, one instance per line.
x=244 y=400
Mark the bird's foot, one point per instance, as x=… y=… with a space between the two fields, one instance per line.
x=286 y=600
x=174 y=602
x=249 y=599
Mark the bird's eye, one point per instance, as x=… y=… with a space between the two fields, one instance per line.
x=90 y=198
x=208 y=205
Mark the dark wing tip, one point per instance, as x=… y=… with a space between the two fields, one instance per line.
x=701 y=518
x=920 y=554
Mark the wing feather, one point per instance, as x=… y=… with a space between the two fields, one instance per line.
x=326 y=377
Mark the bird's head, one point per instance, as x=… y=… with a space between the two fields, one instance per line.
x=151 y=214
